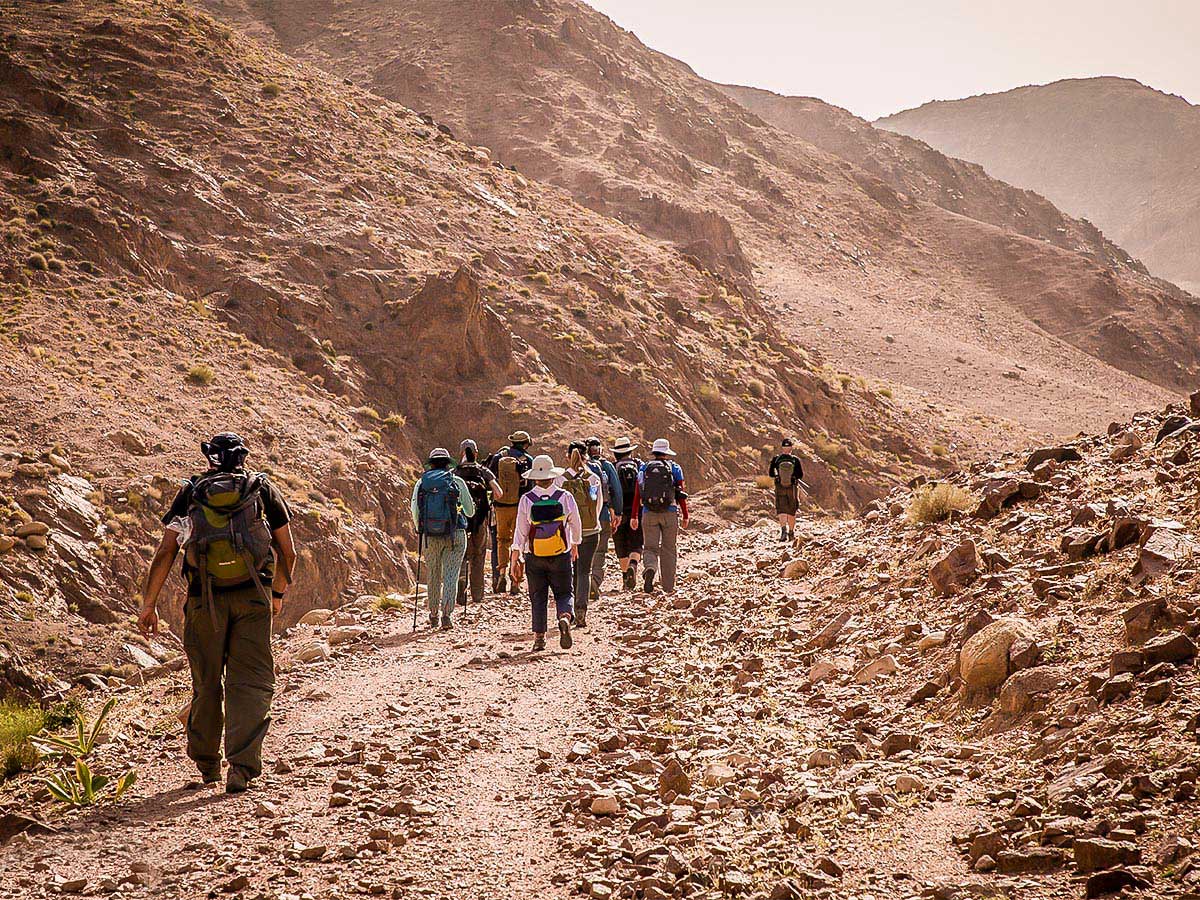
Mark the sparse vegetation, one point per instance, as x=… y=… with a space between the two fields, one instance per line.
x=19 y=722
x=271 y=89
x=80 y=786
x=385 y=602
x=936 y=502
x=201 y=375
x=37 y=262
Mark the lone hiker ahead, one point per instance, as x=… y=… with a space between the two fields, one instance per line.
x=786 y=471
x=660 y=507
x=441 y=506
x=509 y=465
x=233 y=527
x=547 y=536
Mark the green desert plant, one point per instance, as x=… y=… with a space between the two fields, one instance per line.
x=78 y=785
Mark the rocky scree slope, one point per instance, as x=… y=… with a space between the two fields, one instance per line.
x=1112 y=149
x=1004 y=704
x=1001 y=705
x=559 y=91
x=199 y=234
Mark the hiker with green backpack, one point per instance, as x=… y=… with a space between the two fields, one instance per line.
x=786 y=472
x=483 y=487
x=585 y=488
x=238 y=556
x=441 y=508
x=545 y=545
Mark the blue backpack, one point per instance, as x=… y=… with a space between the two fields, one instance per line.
x=438 y=510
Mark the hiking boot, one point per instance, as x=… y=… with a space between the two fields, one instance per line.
x=207 y=777
x=564 y=633
x=501 y=585
x=783 y=534
x=648 y=581
x=237 y=780
x=514 y=588
x=594 y=593
x=539 y=642
x=446 y=623
x=629 y=579
x=433 y=620
x=581 y=617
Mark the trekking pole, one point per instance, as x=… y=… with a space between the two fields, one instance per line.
x=417 y=582
x=804 y=484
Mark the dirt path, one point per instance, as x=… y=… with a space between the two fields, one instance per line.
x=410 y=708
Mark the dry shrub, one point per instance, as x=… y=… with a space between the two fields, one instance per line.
x=935 y=502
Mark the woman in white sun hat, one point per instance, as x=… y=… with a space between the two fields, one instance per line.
x=547 y=535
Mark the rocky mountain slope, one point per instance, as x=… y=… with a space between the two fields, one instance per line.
x=201 y=234
x=947 y=307
x=999 y=704
x=1111 y=149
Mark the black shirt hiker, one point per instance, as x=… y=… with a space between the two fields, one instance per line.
x=227 y=626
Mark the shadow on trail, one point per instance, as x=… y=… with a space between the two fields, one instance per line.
x=163 y=806
x=514 y=659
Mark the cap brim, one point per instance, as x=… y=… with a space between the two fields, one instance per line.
x=624 y=449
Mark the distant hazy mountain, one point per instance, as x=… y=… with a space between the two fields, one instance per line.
x=1124 y=155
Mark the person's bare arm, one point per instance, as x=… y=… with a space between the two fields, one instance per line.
x=285 y=549
x=156 y=577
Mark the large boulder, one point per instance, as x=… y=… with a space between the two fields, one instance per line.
x=995 y=652
x=955 y=570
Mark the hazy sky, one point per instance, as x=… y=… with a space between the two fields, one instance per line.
x=876 y=57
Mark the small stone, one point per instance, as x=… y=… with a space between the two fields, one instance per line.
x=1092 y=854
x=984 y=864
x=265 y=809
x=606 y=805
x=877 y=668
x=314 y=852
x=909 y=784
x=320 y=616
x=820 y=759
x=313 y=651
x=344 y=634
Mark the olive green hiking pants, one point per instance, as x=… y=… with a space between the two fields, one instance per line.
x=233 y=678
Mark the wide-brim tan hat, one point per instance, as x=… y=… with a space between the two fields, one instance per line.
x=624 y=445
x=543 y=469
x=520 y=437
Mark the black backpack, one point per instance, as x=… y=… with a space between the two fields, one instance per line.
x=658 y=485
x=627 y=473
x=477 y=485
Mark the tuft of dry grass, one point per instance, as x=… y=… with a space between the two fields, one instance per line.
x=201 y=375
x=935 y=502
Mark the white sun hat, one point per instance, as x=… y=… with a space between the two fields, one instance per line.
x=543 y=469
x=663 y=446
x=624 y=445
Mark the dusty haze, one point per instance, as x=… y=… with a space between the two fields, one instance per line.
x=874 y=57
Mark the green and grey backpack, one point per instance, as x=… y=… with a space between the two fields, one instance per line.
x=230 y=542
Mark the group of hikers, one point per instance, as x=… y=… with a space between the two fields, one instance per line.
x=547 y=526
